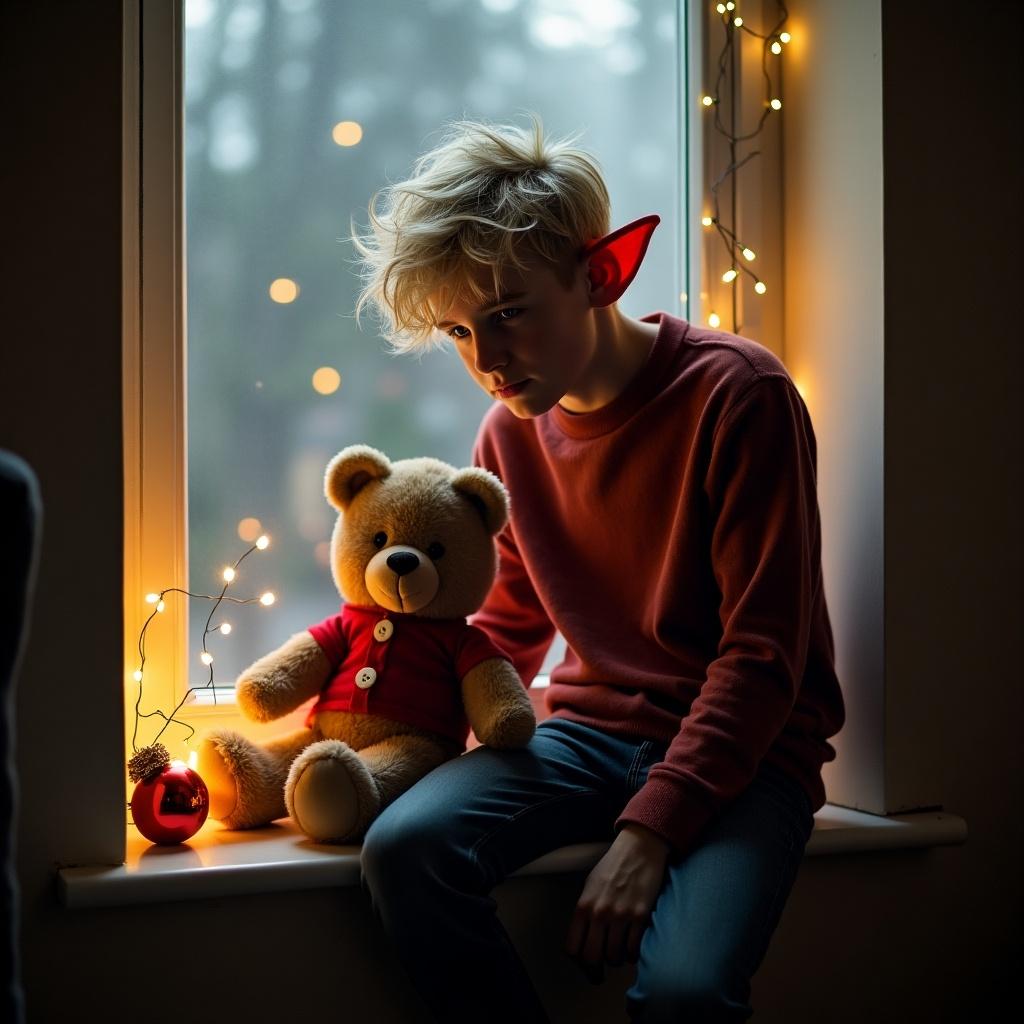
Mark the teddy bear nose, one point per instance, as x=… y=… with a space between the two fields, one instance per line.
x=403 y=562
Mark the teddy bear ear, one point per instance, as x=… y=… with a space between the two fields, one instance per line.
x=487 y=493
x=351 y=470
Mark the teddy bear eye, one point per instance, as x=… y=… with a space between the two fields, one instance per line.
x=436 y=551
x=380 y=539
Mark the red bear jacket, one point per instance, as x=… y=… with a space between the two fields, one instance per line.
x=402 y=667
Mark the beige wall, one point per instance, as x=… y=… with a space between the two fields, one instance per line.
x=835 y=347
x=896 y=937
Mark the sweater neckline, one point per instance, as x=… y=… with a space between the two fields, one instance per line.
x=645 y=383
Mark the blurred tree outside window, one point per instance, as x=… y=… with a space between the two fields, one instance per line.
x=296 y=111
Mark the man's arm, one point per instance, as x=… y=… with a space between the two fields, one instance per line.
x=766 y=557
x=765 y=552
x=512 y=614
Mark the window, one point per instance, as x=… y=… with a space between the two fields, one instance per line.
x=835 y=340
x=240 y=102
x=834 y=329
x=290 y=114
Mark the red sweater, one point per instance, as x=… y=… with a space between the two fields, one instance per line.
x=673 y=538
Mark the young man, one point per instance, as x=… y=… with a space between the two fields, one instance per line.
x=665 y=521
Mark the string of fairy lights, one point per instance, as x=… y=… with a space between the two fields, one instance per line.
x=773 y=42
x=228 y=575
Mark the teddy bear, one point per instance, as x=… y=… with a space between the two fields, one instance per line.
x=399 y=675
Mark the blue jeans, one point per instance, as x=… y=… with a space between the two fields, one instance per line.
x=431 y=859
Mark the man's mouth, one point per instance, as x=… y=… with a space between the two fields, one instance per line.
x=512 y=389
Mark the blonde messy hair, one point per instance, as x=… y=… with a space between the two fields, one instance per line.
x=486 y=195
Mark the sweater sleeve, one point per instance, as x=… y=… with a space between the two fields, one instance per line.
x=765 y=546
x=512 y=614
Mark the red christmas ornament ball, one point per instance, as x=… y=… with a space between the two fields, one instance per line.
x=171 y=806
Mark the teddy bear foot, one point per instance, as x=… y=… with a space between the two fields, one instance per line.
x=243 y=790
x=330 y=793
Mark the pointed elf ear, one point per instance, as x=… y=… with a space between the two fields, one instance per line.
x=615 y=259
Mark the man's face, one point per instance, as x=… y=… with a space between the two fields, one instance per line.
x=536 y=338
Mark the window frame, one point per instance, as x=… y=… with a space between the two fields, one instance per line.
x=153 y=362
x=874 y=771
x=155 y=334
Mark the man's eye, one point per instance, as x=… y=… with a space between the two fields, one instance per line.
x=461 y=333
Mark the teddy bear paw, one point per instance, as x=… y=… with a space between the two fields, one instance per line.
x=330 y=793
x=243 y=790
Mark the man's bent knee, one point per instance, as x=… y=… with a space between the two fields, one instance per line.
x=407 y=841
x=681 y=995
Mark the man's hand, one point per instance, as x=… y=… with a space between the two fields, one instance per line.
x=615 y=908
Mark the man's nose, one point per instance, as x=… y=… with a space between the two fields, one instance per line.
x=488 y=353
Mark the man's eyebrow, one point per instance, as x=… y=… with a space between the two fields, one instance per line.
x=500 y=301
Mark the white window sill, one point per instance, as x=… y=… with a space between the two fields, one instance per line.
x=219 y=862
x=220 y=697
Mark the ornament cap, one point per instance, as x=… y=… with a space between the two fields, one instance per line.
x=148 y=763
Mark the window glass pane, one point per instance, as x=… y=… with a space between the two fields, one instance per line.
x=296 y=112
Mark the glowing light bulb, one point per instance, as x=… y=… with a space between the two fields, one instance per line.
x=730 y=6
x=206 y=658
x=225 y=628
x=263 y=542
x=737 y=21
x=776 y=104
x=283 y=290
x=749 y=254
x=347 y=133
x=785 y=37
x=152 y=598
x=706 y=221
x=707 y=101
x=249 y=528
x=713 y=320
x=760 y=287
x=160 y=606
x=720 y=8
x=267 y=599
x=137 y=675
x=776 y=47
x=229 y=574
x=729 y=275
x=326 y=380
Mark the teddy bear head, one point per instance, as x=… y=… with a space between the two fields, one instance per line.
x=415 y=536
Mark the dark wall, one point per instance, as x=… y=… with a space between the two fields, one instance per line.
x=951 y=79
x=60 y=410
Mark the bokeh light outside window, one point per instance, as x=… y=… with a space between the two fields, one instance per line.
x=296 y=112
